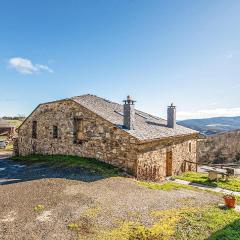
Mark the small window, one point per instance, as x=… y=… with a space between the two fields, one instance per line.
x=55 y=131
x=78 y=131
x=34 y=129
x=190 y=147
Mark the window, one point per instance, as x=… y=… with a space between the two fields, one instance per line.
x=78 y=131
x=190 y=147
x=34 y=129
x=55 y=131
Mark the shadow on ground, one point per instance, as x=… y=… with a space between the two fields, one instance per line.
x=229 y=232
x=14 y=172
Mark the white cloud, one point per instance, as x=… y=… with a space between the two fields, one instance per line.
x=206 y=113
x=25 y=66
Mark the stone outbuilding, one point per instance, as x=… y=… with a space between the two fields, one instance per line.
x=89 y=126
x=6 y=129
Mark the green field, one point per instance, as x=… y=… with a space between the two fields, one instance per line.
x=15 y=123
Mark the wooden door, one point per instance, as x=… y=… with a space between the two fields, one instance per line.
x=169 y=163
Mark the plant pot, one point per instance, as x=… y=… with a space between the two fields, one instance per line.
x=230 y=202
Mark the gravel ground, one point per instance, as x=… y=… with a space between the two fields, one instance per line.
x=86 y=198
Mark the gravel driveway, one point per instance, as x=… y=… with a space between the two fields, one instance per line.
x=75 y=195
x=13 y=172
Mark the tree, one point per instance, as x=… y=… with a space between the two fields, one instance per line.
x=219 y=157
x=237 y=157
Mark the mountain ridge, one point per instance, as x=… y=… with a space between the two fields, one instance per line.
x=214 y=125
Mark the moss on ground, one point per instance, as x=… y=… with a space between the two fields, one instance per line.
x=90 y=164
x=39 y=207
x=92 y=212
x=72 y=226
x=232 y=184
x=209 y=223
x=168 y=186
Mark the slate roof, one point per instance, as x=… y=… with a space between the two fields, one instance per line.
x=5 y=124
x=147 y=127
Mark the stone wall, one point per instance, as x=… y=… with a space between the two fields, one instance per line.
x=151 y=162
x=101 y=139
x=151 y=165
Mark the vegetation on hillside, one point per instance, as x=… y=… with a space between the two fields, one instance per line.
x=220 y=148
x=19 y=117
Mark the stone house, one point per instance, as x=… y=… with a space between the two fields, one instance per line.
x=6 y=129
x=144 y=145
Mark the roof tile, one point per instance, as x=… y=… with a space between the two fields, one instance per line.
x=147 y=127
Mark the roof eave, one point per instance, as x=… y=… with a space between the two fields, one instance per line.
x=194 y=135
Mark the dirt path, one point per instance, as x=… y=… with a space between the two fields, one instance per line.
x=96 y=203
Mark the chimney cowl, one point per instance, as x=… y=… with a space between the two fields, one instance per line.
x=129 y=113
x=129 y=100
x=171 y=116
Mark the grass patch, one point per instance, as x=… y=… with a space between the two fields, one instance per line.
x=84 y=228
x=168 y=186
x=3 y=138
x=232 y=184
x=90 y=164
x=209 y=223
x=72 y=226
x=39 y=207
x=15 y=123
x=92 y=212
x=9 y=147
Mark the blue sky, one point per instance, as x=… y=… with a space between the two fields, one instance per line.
x=186 y=52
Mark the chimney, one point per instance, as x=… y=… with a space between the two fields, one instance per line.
x=129 y=113
x=171 y=116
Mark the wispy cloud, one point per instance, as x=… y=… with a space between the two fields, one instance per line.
x=25 y=66
x=206 y=113
x=229 y=56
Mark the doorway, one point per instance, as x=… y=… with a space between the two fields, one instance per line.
x=169 y=163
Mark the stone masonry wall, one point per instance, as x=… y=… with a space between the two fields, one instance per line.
x=101 y=139
x=151 y=162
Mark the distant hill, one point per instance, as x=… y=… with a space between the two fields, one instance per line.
x=209 y=126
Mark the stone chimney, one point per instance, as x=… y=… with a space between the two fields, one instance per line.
x=129 y=113
x=171 y=116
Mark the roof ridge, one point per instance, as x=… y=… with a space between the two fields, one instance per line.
x=93 y=95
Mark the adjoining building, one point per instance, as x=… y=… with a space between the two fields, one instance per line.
x=89 y=126
x=6 y=129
